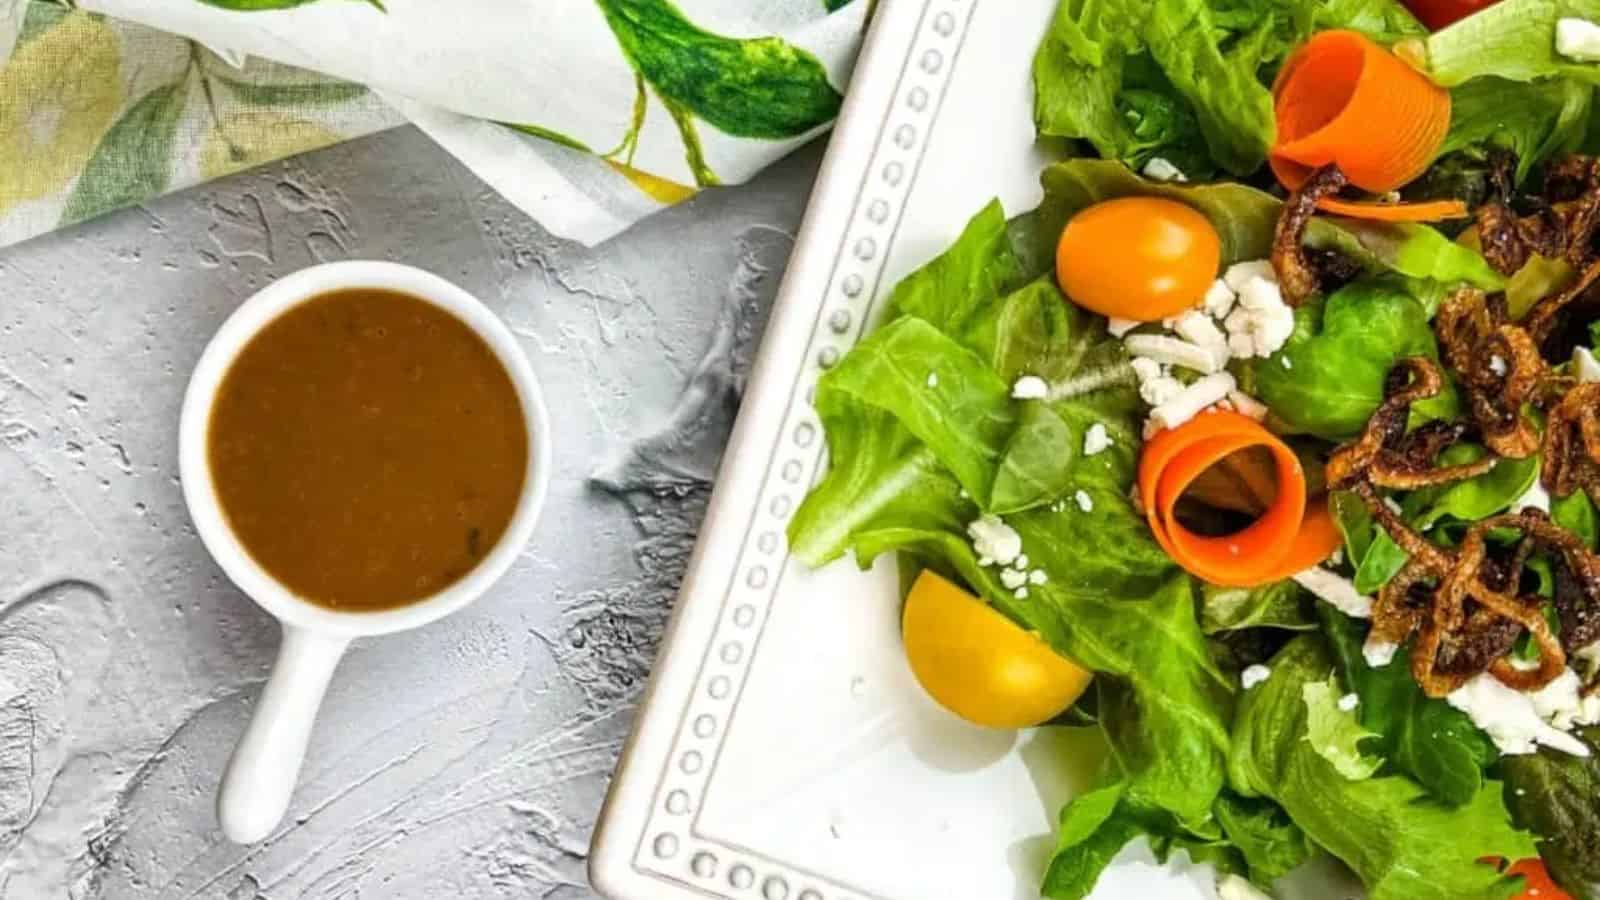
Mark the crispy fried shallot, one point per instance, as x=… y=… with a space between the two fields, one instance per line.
x=1385 y=455
x=1498 y=367
x=1561 y=226
x=1297 y=278
x=1572 y=443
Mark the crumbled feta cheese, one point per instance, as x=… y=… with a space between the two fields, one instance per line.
x=1246 y=405
x=1021 y=562
x=1497 y=365
x=1510 y=718
x=993 y=538
x=985 y=561
x=1197 y=328
x=1261 y=323
x=1379 y=653
x=1186 y=405
x=1020 y=593
x=1030 y=387
x=1237 y=887
x=1337 y=590
x=1560 y=702
x=1241 y=273
x=1393 y=505
x=1177 y=352
x=1578 y=39
x=1162 y=389
x=1535 y=497
x=1349 y=702
x=1038 y=576
x=1254 y=675
x=1218 y=300
x=1095 y=439
x=1146 y=369
x=1119 y=327
x=1084 y=501
x=933 y=379
x=1163 y=170
x=1336 y=558
x=1286 y=362
x=1584 y=365
x=1013 y=579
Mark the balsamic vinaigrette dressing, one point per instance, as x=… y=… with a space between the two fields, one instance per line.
x=368 y=449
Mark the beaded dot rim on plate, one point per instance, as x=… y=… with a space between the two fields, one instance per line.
x=675 y=851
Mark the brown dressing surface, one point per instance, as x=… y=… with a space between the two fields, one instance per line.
x=368 y=449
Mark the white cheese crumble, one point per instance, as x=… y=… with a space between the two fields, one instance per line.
x=1013 y=579
x=1160 y=388
x=1021 y=562
x=933 y=379
x=1254 y=675
x=1084 y=501
x=1261 y=323
x=1497 y=365
x=1349 y=702
x=1336 y=590
x=1197 y=328
x=1218 y=301
x=1237 y=887
x=1119 y=327
x=1177 y=352
x=1160 y=169
x=1241 y=273
x=1510 y=718
x=1578 y=39
x=1030 y=387
x=994 y=540
x=1584 y=365
x=1379 y=653
x=1562 y=704
x=1179 y=409
x=1535 y=497
x=1095 y=440
x=1020 y=593
x=1037 y=577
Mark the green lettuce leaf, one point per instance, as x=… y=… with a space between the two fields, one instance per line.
x=1420 y=736
x=1329 y=377
x=968 y=276
x=1576 y=513
x=1536 y=121
x=1335 y=734
x=1401 y=844
x=1281 y=604
x=1513 y=39
x=1557 y=796
x=1271 y=844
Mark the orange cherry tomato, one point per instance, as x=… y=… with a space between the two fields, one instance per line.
x=1141 y=258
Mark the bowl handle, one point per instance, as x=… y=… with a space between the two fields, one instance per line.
x=261 y=775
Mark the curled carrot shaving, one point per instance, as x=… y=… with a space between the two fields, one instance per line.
x=1290 y=535
x=1431 y=211
x=1343 y=100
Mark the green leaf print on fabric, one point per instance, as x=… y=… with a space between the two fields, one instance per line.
x=39 y=18
x=753 y=87
x=317 y=93
x=134 y=158
x=549 y=135
x=835 y=5
x=261 y=5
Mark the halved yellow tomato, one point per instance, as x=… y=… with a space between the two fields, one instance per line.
x=979 y=664
x=1142 y=258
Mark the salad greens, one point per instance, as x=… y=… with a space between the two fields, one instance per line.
x=1402 y=844
x=1247 y=726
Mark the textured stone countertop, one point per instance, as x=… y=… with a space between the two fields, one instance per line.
x=464 y=760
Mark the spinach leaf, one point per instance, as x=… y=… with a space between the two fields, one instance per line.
x=1401 y=844
x=1420 y=736
x=1280 y=604
x=1576 y=513
x=747 y=87
x=1329 y=377
x=1555 y=796
x=1514 y=39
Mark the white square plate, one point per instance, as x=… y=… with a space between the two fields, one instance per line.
x=784 y=751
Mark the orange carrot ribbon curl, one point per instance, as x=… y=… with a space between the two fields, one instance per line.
x=1290 y=536
x=1342 y=99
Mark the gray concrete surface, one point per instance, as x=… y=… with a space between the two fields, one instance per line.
x=466 y=760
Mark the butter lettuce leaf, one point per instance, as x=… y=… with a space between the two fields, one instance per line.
x=1402 y=845
x=1328 y=379
x=1335 y=734
x=1513 y=39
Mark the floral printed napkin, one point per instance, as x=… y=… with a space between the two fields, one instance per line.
x=588 y=114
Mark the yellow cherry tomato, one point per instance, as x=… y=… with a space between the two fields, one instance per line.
x=979 y=664
x=1139 y=258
